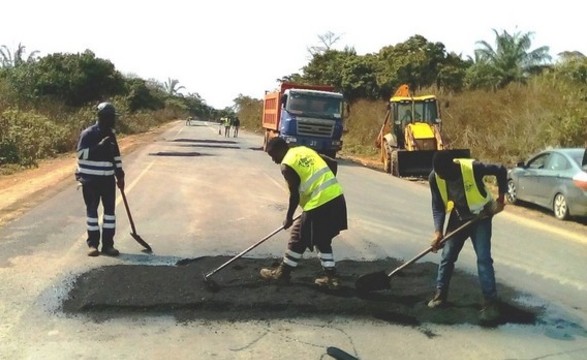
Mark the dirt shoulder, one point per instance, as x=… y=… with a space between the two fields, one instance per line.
x=23 y=190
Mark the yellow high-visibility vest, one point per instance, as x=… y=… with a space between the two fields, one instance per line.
x=475 y=200
x=318 y=184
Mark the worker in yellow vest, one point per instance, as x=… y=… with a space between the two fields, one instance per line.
x=461 y=181
x=226 y=123
x=311 y=179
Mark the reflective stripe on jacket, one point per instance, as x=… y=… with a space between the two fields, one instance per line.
x=318 y=185
x=475 y=199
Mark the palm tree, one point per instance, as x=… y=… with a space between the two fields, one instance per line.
x=8 y=59
x=512 y=59
x=171 y=87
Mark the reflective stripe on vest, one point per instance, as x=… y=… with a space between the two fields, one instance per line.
x=318 y=185
x=475 y=199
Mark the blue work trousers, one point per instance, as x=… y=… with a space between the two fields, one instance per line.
x=480 y=234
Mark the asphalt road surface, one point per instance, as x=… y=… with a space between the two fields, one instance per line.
x=199 y=198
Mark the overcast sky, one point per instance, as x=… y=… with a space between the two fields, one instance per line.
x=222 y=48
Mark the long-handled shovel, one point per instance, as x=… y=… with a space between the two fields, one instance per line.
x=380 y=280
x=134 y=234
x=211 y=284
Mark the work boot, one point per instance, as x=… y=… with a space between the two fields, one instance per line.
x=110 y=251
x=489 y=313
x=439 y=300
x=328 y=280
x=93 y=251
x=281 y=274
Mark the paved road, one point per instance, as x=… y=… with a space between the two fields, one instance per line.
x=194 y=193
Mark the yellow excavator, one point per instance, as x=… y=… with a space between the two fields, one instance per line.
x=411 y=134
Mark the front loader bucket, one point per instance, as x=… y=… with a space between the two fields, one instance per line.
x=419 y=163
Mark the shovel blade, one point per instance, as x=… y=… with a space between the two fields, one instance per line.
x=138 y=239
x=372 y=282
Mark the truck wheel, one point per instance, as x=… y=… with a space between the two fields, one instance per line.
x=265 y=140
x=386 y=159
x=330 y=153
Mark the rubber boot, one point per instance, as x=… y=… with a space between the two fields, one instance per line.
x=439 y=299
x=329 y=280
x=281 y=274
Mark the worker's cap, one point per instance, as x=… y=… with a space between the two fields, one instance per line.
x=444 y=164
x=106 y=109
x=276 y=143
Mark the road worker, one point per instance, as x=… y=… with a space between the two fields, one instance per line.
x=99 y=167
x=311 y=179
x=226 y=122
x=461 y=181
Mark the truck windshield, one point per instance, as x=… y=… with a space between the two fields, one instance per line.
x=314 y=104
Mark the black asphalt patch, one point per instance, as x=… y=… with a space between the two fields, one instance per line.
x=180 y=290
x=205 y=141
x=177 y=153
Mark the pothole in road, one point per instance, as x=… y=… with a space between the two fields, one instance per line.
x=180 y=290
x=176 y=153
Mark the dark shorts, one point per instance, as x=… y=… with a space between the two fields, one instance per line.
x=319 y=226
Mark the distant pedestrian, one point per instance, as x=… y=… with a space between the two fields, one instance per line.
x=226 y=123
x=236 y=123
x=99 y=169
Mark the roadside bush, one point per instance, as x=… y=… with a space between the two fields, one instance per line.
x=26 y=137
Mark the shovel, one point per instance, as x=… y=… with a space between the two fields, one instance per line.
x=211 y=284
x=380 y=280
x=134 y=234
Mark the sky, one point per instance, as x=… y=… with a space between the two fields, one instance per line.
x=221 y=49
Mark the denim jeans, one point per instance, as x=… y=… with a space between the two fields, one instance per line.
x=480 y=234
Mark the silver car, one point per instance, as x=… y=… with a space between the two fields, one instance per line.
x=555 y=179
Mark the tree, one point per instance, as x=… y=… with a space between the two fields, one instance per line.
x=511 y=60
x=8 y=59
x=415 y=62
x=326 y=41
x=76 y=78
x=325 y=68
x=172 y=88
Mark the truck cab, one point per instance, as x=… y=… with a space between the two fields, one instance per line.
x=311 y=116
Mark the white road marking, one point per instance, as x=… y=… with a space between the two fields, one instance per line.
x=537 y=225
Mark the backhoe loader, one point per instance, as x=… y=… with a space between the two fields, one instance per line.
x=411 y=134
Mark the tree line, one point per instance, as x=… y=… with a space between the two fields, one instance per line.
x=45 y=101
x=508 y=88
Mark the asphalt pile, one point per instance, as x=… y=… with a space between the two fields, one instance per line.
x=180 y=290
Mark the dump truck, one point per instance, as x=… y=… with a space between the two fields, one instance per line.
x=308 y=115
x=411 y=133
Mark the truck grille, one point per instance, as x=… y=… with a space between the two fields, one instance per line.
x=315 y=127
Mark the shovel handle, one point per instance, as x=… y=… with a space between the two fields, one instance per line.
x=429 y=249
x=132 y=223
x=246 y=250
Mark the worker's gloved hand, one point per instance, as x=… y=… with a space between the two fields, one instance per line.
x=494 y=207
x=120 y=182
x=287 y=223
x=435 y=243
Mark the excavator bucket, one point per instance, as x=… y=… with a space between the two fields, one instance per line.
x=419 y=163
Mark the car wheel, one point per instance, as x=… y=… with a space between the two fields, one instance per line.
x=560 y=207
x=512 y=194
